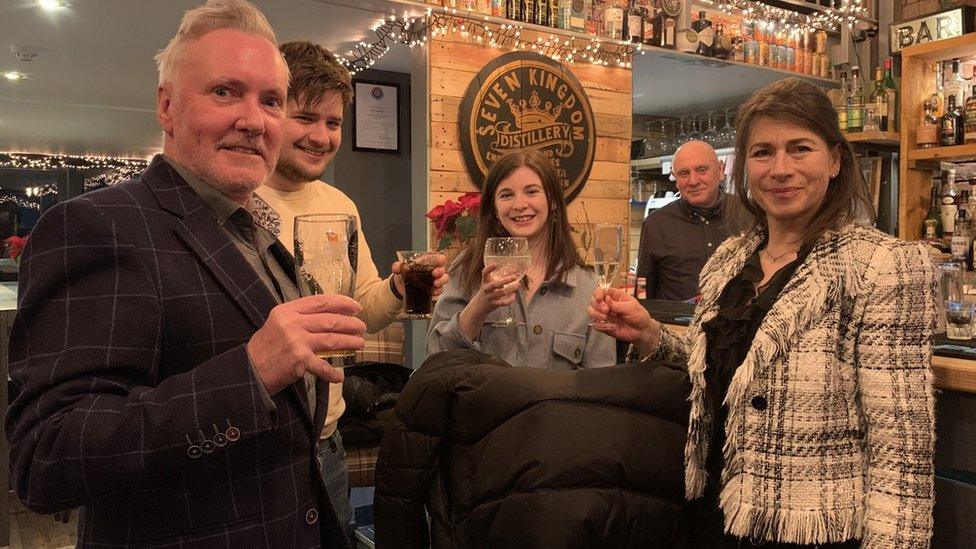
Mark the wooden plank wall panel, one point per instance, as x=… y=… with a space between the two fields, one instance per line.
x=454 y=63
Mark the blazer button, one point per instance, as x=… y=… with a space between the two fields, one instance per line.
x=578 y=354
x=759 y=402
x=194 y=452
x=311 y=516
x=208 y=446
x=233 y=434
x=537 y=330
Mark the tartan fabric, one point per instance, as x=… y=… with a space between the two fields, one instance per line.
x=385 y=345
x=831 y=427
x=137 y=400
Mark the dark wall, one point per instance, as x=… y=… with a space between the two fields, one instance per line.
x=379 y=183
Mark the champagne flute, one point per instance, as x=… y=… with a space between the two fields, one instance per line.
x=608 y=242
x=323 y=265
x=512 y=256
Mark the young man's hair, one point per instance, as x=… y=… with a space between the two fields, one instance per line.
x=315 y=72
x=239 y=15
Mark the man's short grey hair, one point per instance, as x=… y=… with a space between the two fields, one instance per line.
x=238 y=15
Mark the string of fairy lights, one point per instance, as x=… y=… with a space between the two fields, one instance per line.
x=120 y=169
x=830 y=20
x=416 y=31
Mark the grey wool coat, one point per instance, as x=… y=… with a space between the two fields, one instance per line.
x=840 y=444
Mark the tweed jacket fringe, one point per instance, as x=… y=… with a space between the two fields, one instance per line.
x=844 y=447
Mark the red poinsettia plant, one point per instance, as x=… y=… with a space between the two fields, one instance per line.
x=15 y=245
x=455 y=221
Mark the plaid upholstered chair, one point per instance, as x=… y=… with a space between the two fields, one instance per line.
x=383 y=346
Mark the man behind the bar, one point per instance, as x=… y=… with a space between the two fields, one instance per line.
x=677 y=239
x=163 y=386
x=319 y=91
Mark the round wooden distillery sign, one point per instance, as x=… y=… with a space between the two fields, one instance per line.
x=527 y=100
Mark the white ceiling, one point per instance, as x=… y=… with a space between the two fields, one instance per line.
x=91 y=90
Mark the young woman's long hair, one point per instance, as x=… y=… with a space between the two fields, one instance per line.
x=563 y=255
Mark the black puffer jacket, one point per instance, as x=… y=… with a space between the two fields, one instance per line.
x=521 y=457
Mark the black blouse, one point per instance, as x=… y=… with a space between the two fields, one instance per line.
x=741 y=309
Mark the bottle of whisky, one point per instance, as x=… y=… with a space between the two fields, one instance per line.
x=933 y=219
x=948 y=211
x=879 y=100
x=950 y=126
x=706 y=35
x=613 y=21
x=722 y=44
x=969 y=119
x=961 y=237
x=927 y=131
x=634 y=23
x=855 y=103
x=513 y=9
x=892 y=92
x=841 y=102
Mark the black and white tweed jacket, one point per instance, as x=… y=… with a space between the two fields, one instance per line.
x=830 y=433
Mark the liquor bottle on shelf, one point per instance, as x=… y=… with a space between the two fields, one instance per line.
x=613 y=21
x=706 y=34
x=855 y=103
x=528 y=11
x=564 y=12
x=470 y=5
x=969 y=119
x=542 y=12
x=498 y=8
x=840 y=101
x=579 y=12
x=956 y=85
x=879 y=100
x=634 y=23
x=927 y=131
x=892 y=92
x=932 y=232
x=594 y=17
x=750 y=46
x=650 y=12
x=948 y=212
x=722 y=45
x=962 y=240
x=950 y=126
x=938 y=96
x=513 y=10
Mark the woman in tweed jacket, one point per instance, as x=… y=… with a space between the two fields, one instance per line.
x=811 y=408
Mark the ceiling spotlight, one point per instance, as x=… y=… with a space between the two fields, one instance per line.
x=14 y=76
x=52 y=5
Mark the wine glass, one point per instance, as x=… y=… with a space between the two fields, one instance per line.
x=608 y=245
x=728 y=130
x=322 y=259
x=512 y=256
x=711 y=135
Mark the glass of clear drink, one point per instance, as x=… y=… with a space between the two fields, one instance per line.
x=512 y=256
x=325 y=259
x=959 y=319
x=608 y=248
x=417 y=268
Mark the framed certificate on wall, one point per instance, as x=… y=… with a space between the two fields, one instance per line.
x=376 y=117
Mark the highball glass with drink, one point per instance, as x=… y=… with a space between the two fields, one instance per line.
x=417 y=269
x=325 y=259
x=959 y=319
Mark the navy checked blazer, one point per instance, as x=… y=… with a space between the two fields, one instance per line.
x=136 y=400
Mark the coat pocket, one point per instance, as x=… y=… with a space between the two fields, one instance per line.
x=569 y=346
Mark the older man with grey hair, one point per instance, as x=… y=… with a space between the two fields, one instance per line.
x=678 y=239
x=167 y=371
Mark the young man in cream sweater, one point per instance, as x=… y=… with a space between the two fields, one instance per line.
x=319 y=91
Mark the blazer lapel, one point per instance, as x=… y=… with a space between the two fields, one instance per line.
x=199 y=229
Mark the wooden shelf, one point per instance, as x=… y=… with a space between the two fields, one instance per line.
x=890 y=139
x=943 y=50
x=943 y=154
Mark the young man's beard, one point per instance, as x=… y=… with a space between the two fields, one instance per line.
x=294 y=172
